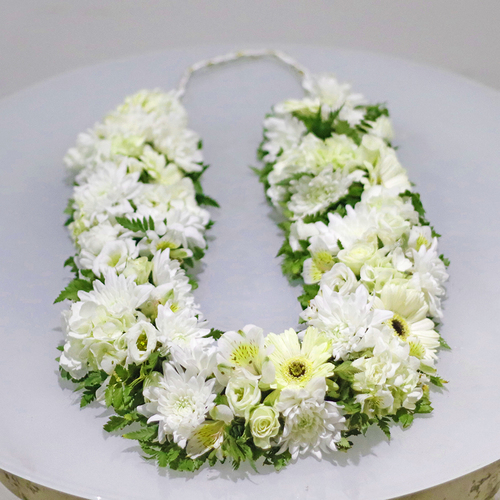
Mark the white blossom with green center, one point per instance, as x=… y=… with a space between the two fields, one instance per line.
x=296 y=363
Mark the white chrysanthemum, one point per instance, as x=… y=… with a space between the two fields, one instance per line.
x=169 y=271
x=93 y=240
x=429 y=275
x=382 y=165
x=311 y=424
x=282 y=133
x=299 y=231
x=181 y=147
x=120 y=296
x=311 y=157
x=244 y=353
x=394 y=216
x=156 y=101
x=388 y=380
x=179 y=328
x=180 y=404
x=327 y=94
x=90 y=150
x=382 y=127
x=348 y=321
x=184 y=228
x=95 y=325
x=197 y=357
x=298 y=363
x=156 y=166
x=359 y=224
x=107 y=192
x=114 y=255
x=409 y=322
x=311 y=195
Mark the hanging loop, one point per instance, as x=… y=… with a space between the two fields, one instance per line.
x=302 y=72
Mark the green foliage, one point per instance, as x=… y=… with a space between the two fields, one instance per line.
x=89 y=385
x=374 y=111
x=322 y=128
x=215 y=334
x=424 y=405
x=278 y=461
x=344 y=444
x=443 y=344
x=70 y=262
x=417 y=205
x=203 y=199
x=116 y=423
x=310 y=291
x=71 y=291
x=446 y=261
x=383 y=423
x=70 y=211
x=346 y=371
x=438 y=381
x=404 y=417
x=137 y=225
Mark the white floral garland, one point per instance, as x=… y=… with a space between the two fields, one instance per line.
x=355 y=233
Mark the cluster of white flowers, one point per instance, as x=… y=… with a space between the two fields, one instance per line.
x=361 y=246
x=379 y=275
x=135 y=219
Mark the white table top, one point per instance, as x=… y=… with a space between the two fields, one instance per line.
x=42 y=38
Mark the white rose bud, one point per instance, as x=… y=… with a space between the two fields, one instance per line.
x=242 y=395
x=357 y=255
x=140 y=268
x=264 y=425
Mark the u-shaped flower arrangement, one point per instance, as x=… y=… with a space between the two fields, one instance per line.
x=355 y=235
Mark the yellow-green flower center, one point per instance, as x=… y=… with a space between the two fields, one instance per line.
x=244 y=354
x=422 y=241
x=163 y=245
x=399 y=326
x=297 y=370
x=209 y=434
x=114 y=259
x=417 y=350
x=323 y=260
x=142 y=342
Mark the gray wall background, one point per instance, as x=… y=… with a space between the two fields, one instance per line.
x=41 y=38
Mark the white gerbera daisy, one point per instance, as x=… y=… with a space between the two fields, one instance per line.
x=295 y=363
x=409 y=322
